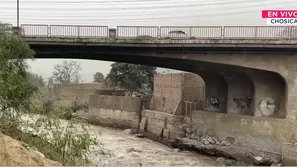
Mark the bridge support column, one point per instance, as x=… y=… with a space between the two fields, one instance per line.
x=216 y=91
x=112 y=33
x=240 y=93
x=270 y=94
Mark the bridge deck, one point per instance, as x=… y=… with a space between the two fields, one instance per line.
x=164 y=42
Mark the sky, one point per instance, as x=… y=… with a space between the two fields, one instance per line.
x=114 y=13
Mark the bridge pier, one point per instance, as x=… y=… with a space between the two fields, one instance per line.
x=270 y=94
x=240 y=93
x=216 y=92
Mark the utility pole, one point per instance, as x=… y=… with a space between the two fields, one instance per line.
x=18 y=13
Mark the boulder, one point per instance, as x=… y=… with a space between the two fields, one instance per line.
x=221 y=160
x=13 y=153
x=129 y=131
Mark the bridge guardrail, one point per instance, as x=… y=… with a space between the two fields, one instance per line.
x=257 y=32
x=137 y=31
x=35 y=30
x=191 y=32
x=178 y=32
x=78 y=31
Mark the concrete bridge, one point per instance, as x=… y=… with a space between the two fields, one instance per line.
x=248 y=71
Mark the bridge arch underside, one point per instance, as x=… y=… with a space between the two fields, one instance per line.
x=228 y=89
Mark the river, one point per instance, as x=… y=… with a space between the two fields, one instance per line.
x=129 y=150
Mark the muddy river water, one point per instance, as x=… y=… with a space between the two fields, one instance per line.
x=128 y=150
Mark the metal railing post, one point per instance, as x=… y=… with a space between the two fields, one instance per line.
x=256 y=32
x=78 y=33
x=137 y=31
x=290 y=32
x=49 y=31
x=222 y=32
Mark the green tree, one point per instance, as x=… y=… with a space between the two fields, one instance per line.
x=67 y=72
x=35 y=79
x=132 y=77
x=98 y=77
x=15 y=91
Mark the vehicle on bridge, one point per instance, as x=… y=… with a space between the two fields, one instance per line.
x=178 y=34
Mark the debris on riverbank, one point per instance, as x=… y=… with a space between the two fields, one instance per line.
x=234 y=155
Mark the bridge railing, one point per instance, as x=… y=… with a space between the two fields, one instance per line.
x=35 y=30
x=78 y=31
x=172 y=32
x=137 y=31
x=191 y=32
x=256 y=32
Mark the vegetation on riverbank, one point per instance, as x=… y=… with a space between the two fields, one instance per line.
x=47 y=134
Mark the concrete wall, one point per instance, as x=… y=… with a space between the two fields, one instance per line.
x=113 y=111
x=253 y=132
x=170 y=90
x=161 y=124
x=78 y=85
x=66 y=94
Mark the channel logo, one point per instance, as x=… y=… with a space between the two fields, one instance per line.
x=280 y=17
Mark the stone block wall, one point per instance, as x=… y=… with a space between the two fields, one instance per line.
x=161 y=124
x=66 y=94
x=170 y=90
x=114 y=111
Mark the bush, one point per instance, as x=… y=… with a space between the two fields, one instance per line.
x=72 y=141
x=63 y=112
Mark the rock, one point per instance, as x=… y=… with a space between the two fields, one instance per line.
x=206 y=142
x=218 y=143
x=129 y=131
x=230 y=140
x=258 y=158
x=39 y=153
x=139 y=135
x=240 y=154
x=230 y=162
x=106 y=162
x=188 y=135
x=13 y=153
x=188 y=130
x=215 y=139
x=130 y=150
x=176 y=150
x=221 y=160
x=210 y=140
x=134 y=154
x=133 y=150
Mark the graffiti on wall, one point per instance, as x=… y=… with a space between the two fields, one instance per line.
x=267 y=106
x=242 y=102
x=214 y=104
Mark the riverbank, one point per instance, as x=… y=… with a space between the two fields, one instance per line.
x=129 y=150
